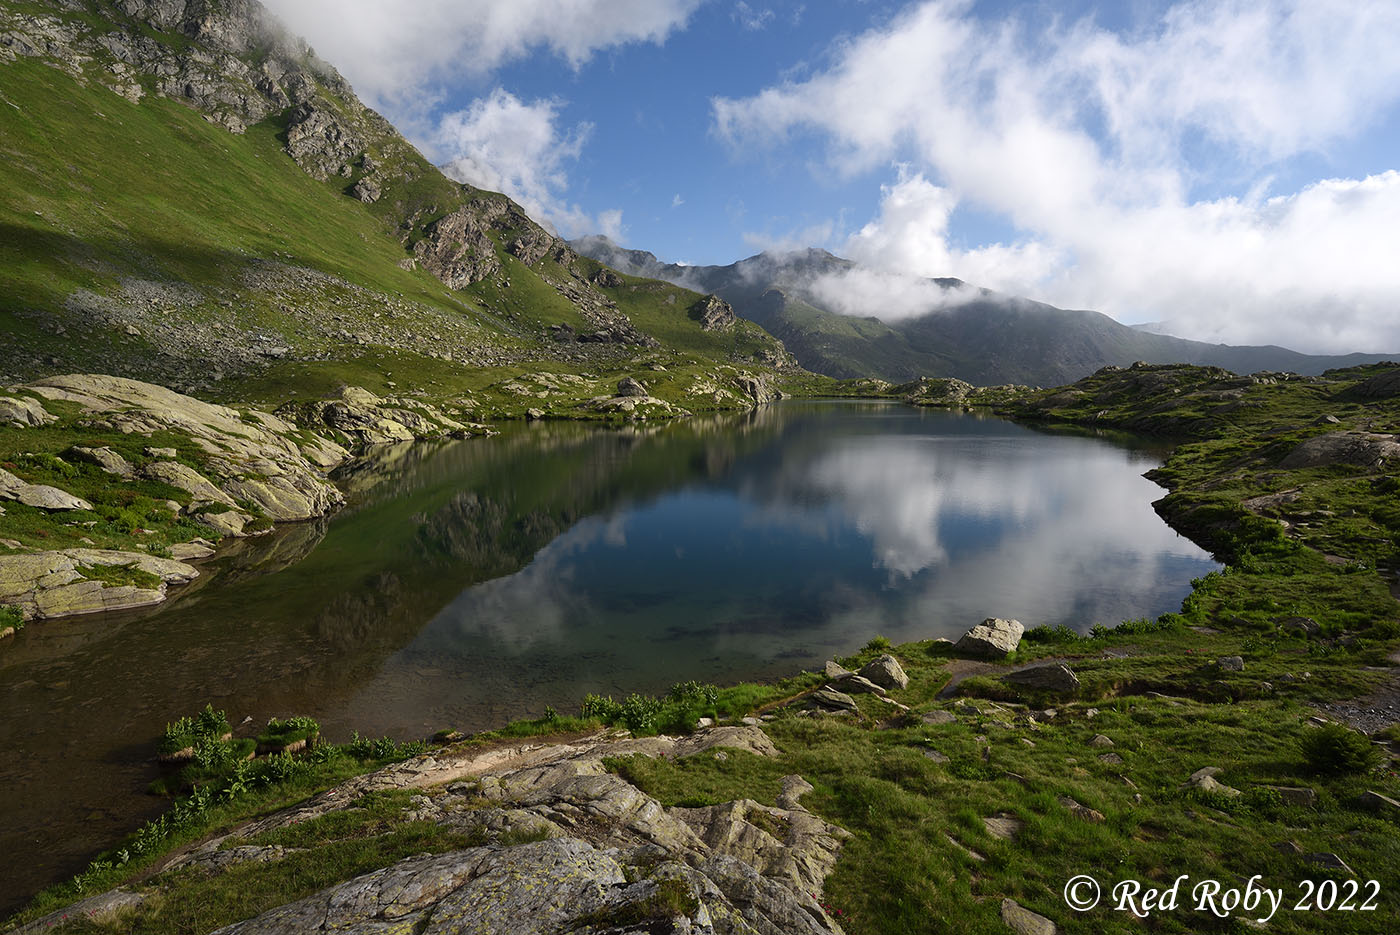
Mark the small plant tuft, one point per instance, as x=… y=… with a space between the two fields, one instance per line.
x=1338 y=750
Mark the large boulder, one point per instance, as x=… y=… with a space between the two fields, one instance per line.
x=105 y=458
x=993 y=638
x=885 y=671
x=1051 y=677
x=628 y=386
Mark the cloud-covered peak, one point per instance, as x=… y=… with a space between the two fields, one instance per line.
x=1093 y=144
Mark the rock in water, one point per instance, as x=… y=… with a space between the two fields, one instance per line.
x=993 y=638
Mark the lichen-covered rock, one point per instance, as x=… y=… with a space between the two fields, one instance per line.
x=23 y=412
x=993 y=638
x=105 y=458
x=52 y=584
x=252 y=457
x=200 y=488
x=40 y=496
x=365 y=418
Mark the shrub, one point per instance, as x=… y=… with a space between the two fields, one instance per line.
x=10 y=616
x=1333 y=748
x=598 y=706
x=877 y=644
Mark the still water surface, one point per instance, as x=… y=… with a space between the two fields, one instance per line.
x=478 y=581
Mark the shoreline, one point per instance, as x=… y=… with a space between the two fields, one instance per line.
x=1178 y=664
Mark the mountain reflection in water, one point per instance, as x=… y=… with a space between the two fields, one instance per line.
x=472 y=582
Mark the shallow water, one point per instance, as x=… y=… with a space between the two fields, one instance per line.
x=478 y=581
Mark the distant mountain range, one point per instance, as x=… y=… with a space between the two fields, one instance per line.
x=974 y=334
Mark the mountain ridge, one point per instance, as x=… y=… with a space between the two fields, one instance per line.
x=981 y=336
x=192 y=196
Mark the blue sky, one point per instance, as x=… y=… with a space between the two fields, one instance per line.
x=1225 y=167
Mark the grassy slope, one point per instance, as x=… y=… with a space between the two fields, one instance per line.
x=96 y=192
x=96 y=189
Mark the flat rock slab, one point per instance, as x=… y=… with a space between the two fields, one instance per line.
x=1024 y=922
x=1003 y=826
x=832 y=700
x=51 y=584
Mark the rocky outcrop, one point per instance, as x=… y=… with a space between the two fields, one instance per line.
x=757 y=388
x=1383 y=385
x=40 y=496
x=993 y=638
x=713 y=313
x=234 y=63
x=320 y=142
x=251 y=458
x=361 y=418
x=53 y=584
x=1359 y=449
x=23 y=412
x=600 y=856
x=457 y=250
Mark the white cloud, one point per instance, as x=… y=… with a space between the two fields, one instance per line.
x=504 y=144
x=401 y=58
x=751 y=18
x=1091 y=143
x=677 y=201
x=394 y=52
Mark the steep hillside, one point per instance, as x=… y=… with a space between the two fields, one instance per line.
x=981 y=336
x=189 y=195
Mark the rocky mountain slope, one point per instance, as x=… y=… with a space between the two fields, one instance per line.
x=983 y=337
x=189 y=195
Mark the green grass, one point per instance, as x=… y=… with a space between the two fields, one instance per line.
x=97 y=193
x=900 y=868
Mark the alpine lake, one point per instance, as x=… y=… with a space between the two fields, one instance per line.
x=471 y=582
